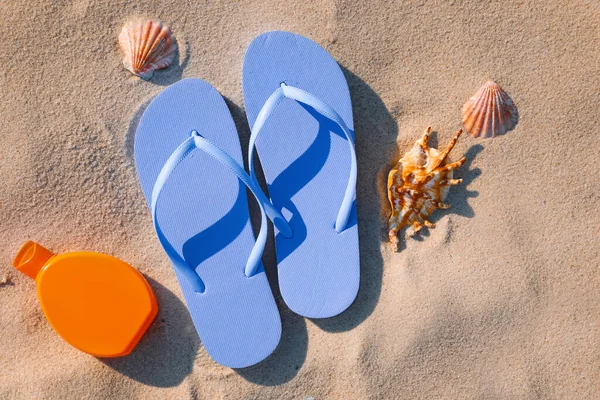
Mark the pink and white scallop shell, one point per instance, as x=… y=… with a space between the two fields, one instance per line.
x=147 y=46
x=489 y=112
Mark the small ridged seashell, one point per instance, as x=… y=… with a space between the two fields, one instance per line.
x=489 y=112
x=147 y=46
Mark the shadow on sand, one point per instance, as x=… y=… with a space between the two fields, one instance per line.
x=458 y=196
x=376 y=133
x=174 y=73
x=288 y=357
x=165 y=354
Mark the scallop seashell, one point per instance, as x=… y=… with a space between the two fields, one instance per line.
x=418 y=184
x=147 y=46
x=489 y=112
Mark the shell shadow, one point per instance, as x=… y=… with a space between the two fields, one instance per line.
x=285 y=362
x=174 y=73
x=165 y=355
x=458 y=196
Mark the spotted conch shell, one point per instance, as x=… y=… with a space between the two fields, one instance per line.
x=489 y=112
x=147 y=46
x=418 y=184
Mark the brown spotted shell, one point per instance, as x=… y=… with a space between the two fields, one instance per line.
x=418 y=184
x=147 y=45
x=489 y=112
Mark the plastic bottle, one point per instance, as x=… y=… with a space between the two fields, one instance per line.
x=97 y=303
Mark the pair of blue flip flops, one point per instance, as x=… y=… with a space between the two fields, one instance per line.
x=189 y=162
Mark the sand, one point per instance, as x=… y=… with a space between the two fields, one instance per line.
x=499 y=301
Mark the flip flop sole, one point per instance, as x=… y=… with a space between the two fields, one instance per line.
x=306 y=162
x=203 y=211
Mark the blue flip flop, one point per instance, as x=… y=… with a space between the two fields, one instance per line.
x=188 y=158
x=298 y=105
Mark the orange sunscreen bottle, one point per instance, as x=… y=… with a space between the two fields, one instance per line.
x=97 y=303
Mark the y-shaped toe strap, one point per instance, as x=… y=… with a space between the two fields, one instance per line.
x=303 y=96
x=195 y=141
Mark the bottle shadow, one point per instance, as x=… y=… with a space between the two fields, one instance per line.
x=165 y=355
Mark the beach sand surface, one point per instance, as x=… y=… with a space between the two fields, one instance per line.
x=499 y=301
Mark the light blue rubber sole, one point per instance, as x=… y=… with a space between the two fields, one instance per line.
x=203 y=211
x=306 y=162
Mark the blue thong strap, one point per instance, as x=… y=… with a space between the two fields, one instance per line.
x=196 y=141
x=302 y=96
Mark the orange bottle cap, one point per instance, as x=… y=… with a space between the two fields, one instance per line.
x=97 y=303
x=30 y=258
